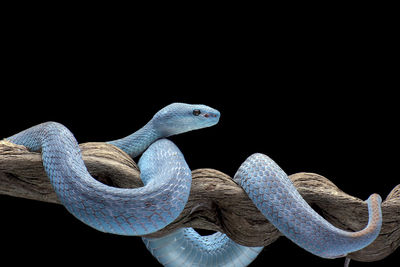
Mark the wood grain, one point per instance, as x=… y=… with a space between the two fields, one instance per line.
x=215 y=203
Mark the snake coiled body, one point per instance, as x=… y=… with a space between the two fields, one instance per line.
x=109 y=209
x=167 y=180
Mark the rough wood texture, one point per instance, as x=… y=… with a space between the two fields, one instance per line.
x=215 y=203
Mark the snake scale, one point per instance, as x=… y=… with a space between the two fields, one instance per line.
x=167 y=180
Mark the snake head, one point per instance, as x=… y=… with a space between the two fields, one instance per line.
x=178 y=118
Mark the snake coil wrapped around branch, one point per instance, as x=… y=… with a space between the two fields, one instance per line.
x=216 y=202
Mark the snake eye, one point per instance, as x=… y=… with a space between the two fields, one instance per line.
x=196 y=112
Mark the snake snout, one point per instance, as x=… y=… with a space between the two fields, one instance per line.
x=205 y=116
x=210 y=115
x=213 y=115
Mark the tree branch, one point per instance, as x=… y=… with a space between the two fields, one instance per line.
x=215 y=203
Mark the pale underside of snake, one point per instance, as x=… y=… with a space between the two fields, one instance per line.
x=167 y=180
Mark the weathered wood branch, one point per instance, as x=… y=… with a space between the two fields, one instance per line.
x=215 y=203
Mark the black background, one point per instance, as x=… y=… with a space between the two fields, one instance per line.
x=315 y=93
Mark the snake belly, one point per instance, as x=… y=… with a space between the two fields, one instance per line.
x=185 y=247
x=167 y=181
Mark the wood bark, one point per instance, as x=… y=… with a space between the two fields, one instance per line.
x=215 y=203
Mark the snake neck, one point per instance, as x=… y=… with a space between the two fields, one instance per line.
x=139 y=141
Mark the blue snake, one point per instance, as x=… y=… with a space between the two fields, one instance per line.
x=167 y=180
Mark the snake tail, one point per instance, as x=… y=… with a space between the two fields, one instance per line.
x=276 y=197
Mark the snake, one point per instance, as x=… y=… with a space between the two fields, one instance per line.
x=167 y=180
